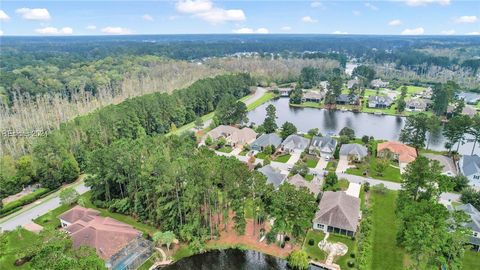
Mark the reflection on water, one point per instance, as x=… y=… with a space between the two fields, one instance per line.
x=384 y=127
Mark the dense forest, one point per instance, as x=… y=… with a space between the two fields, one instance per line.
x=58 y=157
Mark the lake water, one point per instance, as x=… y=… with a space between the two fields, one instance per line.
x=384 y=127
x=231 y=259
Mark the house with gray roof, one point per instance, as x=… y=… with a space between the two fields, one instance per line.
x=416 y=105
x=312 y=96
x=294 y=143
x=274 y=175
x=322 y=146
x=469 y=97
x=448 y=166
x=381 y=102
x=378 y=83
x=265 y=140
x=352 y=83
x=337 y=213
x=353 y=151
x=473 y=224
x=345 y=99
x=470 y=167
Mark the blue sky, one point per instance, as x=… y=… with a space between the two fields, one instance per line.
x=392 y=17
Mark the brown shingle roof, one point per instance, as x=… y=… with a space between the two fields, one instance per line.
x=406 y=154
x=108 y=236
x=77 y=213
x=337 y=209
x=298 y=181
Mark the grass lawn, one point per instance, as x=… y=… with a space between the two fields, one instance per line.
x=261 y=155
x=312 y=163
x=243 y=153
x=182 y=252
x=385 y=253
x=309 y=177
x=15 y=242
x=266 y=97
x=331 y=166
x=391 y=173
x=471 y=260
x=225 y=149
x=283 y=158
x=342 y=184
x=50 y=219
x=317 y=254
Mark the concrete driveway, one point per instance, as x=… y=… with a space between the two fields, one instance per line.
x=321 y=165
x=294 y=158
x=342 y=165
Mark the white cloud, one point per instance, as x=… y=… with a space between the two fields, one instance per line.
x=317 y=4
x=91 y=27
x=246 y=30
x=36 y=14
x=116 y=30
x=54 y=31
x=448 y=32
x=1 y=33
x=308 y=19
x=466 y=19
x=394 y=22
x=147 y=17
x=371 y=6
x=340 y=33
x=4 y=16
x=356 y=12
x=473 y=33
x=413 y=31
x=205 y=10
x=286 y=28
x=416 y=3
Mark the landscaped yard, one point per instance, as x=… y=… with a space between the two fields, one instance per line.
x=471 y=260
x=261 y=155
x=225 y=149
x=309 y=177
x=316 y=253
x=331 y=166
x=385 y=253
x=342 y=184
x=50 y=219
x=391 y=173
x=283 y=158
x=311 y=162
x=16 y=242
x=266 y=97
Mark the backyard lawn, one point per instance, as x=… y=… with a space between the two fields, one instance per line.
x=15 y=242
x=391 y=173
x=225 y=149
x=471 y=260
x=283 y=158
x=385 y=253
x=316 y=253
x=266 y=97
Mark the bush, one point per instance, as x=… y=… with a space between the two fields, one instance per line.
x=298 y=260
x=352 y=254
x=351 y=263
x=311 y=242
x=16 y=205
x=270 y=236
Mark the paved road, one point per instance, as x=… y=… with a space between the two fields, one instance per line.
x=351 y=178
x=36 y=209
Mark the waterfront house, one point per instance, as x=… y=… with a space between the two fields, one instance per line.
x=338 y=213
x=265 y=140
x=380 y=102
x=378 y=83
x=298 y=181
x=294 y=144
x=353 y=152
x=467 y=110
x=416 y=105
x=344 y=99
x=274 y=175
x=322 y=146
x=235 y=137
x=312 y=96
x=473 y=224
x=114 y=241
x=470 y=167
x=397 y=151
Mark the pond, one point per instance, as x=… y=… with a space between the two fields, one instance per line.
x=232 y=259
x=384 y=127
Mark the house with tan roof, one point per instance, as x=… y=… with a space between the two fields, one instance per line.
x=397 y=151
x=234 y=136
x=338 y=213
x=109 y=237
x=298 y=181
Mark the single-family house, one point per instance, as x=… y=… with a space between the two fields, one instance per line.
x=294 y=144
x=467 y=110
x=265 y=140
x=312 y=96
x=469 y=97
x=470 y=167
x=234 y=136
x=352 y=83
x=381 y=102
x=416 y=105
x=398 y=151
x=473 y=224
x=353 y=152
x=448 y=166
x=285 y=92
x=426 y=93
x=109 y=237
x=298 y=181
x=274 y=175
x=344 y=99
x=221 y=131
x=322 y=146
x=337 y=213
x=378 y=83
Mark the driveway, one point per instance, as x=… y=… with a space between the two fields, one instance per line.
x=321 y=165
x=294 y=158
x=36 y=209
x=342 y=165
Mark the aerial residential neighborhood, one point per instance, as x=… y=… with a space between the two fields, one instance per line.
x=234 y=135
